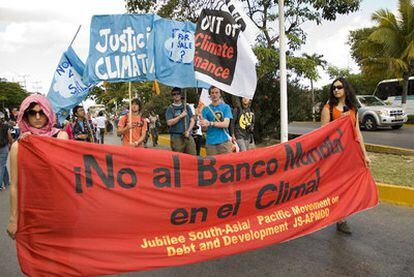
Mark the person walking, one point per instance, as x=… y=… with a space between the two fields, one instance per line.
x=101 y=126
x=180 y=119
x=216 y=120
x=15 y=131
x=153 y=127
x=342 y=102
x=82 y=129
x=242 y=125
x=5 y=143
x=36 y=118
x=197 y=133
x=138 y=125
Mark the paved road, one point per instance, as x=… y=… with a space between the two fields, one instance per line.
x=382 y=245
x=403 y=137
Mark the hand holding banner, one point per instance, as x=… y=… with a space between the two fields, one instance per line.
x=99 y=209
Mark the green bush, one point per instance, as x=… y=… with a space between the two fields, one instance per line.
x=410 y=119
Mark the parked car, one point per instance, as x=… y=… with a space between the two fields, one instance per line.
x=373 y=113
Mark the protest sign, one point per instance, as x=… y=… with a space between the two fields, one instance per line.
x=88 y=209
x=204 y=100
x=173 y=48
x=223 y=56
x=118 y=49
x=67 y=89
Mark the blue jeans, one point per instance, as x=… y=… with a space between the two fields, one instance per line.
x=4 y=174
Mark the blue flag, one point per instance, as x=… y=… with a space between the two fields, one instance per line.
x=174 y=53
x=118 y=49
x=67 y=89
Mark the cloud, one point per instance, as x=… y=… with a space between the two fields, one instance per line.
x=39 y=35
x=9 y=15
x=330 y=40
x=34 y=34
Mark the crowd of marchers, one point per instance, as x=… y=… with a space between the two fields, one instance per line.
x=221 y=128
x=226 y=129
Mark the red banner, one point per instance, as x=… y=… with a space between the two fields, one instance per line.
x=89 y=209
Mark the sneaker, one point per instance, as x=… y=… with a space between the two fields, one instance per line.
x=343 y=227
x=2 y=188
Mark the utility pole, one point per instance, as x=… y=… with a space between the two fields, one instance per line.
x=283 y=75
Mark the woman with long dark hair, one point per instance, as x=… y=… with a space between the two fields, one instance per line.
x=342 y=101
x=36 y=118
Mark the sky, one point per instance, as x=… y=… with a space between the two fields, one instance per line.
x=34 y=34
x=330 y=38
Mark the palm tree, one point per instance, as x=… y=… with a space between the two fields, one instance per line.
x=390 y=46
x=318 y=61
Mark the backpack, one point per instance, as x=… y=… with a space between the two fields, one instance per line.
x=187 y=108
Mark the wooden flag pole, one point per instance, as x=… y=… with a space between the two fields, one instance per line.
x=130 y=110
x=185 y=109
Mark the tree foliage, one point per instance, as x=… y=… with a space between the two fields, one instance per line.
x=114 y=95
x=266 y=102
x=361 y=82
x=174 y=9
x=264 y=14
x=141 y=6
x=11 y=94
x=269 y=63
x=318 y=61
x=117 y=94
x=387 y=49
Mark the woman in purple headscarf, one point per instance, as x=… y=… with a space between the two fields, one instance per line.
x=36 y=118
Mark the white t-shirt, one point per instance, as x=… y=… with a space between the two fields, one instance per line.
x=100 y=121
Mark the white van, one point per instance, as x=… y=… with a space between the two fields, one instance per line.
x=390 y=92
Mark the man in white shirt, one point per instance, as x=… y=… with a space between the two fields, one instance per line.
x=100 y=125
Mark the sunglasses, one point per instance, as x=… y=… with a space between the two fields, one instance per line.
x=176 y=93
x=337 y=88
x=34 y=113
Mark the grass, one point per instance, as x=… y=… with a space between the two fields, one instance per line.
x=392 y=169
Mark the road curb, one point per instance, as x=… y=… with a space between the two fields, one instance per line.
x=396 y=194
x=377 y=148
